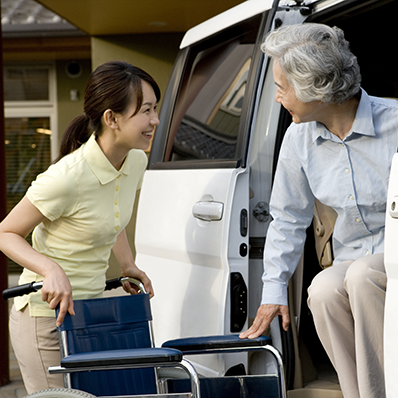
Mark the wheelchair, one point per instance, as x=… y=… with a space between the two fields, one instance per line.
x=107 y=350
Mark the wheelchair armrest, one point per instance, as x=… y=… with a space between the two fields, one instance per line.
x=217 y=344
x=127 y=359
x=133 y=357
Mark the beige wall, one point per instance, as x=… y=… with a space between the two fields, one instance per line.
x=155 y=53
x=68 y=109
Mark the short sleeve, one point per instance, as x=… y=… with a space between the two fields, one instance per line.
x=54 y=193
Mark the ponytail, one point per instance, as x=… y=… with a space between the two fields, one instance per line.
x=75 y=135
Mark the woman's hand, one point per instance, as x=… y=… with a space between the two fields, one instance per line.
x=124 y=256
x=136 y=273
x=58 y=290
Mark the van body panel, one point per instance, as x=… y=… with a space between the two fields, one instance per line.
x=391 y=264
x=199 y=161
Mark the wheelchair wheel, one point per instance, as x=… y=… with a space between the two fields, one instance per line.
x=60 y=393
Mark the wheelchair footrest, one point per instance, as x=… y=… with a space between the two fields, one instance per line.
x=232 y=387
x=134 y=357
x=177 y=395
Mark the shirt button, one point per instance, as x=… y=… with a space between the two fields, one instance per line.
x=116 y=202
x=347 y=171
x=117 y=215
x=117 y=228
x=117 y=188
x=358 y=220
x=367 y=252
x=351 y=197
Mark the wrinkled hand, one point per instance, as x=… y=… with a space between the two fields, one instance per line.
x=142 y=276
x=265 y=314
x=58 y=290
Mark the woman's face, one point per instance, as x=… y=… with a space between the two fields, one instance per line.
x=301 y=112
x=135 y=131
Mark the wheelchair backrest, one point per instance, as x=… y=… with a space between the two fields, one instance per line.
x=110 y=324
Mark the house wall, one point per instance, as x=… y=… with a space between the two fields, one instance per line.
x=155 y=53
x=68 y=106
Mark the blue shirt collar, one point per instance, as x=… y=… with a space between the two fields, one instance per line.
x=363 y=123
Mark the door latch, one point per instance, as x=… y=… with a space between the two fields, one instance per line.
x=260 y=212
x=238 y=302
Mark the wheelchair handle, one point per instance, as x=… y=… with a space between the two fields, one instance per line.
x=22 y=290
x=115 y=283
x=32 y=287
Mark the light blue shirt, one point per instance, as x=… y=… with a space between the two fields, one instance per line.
x=349 y=175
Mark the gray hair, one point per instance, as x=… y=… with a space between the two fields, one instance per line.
x=317 y=62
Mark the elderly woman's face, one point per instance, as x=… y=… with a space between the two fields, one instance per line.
x=301 y=111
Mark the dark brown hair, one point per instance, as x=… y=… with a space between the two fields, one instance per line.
x=111 y=86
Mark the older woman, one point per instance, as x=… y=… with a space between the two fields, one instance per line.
x=338 y=150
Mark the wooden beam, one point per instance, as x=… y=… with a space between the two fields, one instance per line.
x=46 y=48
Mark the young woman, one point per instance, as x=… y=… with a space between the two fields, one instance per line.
x=79 y=209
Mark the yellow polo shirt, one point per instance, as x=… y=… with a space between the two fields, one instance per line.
x=87 y=203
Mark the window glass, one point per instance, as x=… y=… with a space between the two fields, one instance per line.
x=30 y=127
x=207 y=114
x=26 y=84
x=28 y=153
x=28 y=150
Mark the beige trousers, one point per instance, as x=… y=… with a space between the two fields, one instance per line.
x=347 y=303
x=36 y=347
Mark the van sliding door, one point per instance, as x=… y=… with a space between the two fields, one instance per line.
x=192 y=225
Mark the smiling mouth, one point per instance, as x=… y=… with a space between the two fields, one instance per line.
x=148 y=134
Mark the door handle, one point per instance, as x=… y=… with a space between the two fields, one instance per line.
x=393 y=207
x=208 y=211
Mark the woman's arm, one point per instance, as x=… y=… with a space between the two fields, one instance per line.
x=124 y=256
x=13 y=232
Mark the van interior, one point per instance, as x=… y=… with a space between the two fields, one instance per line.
x=369 y=30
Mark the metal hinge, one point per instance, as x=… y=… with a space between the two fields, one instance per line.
x=260 y=212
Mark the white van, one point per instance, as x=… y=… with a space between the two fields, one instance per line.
x=391 y=263
x=203 y=214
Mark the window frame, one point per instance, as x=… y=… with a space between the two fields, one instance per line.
x=184 y=58
x=49 y=108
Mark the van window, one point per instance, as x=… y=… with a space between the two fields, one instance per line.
x=208 y=108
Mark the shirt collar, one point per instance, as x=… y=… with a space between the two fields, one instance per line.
x=99 y=163
x=363 y=123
